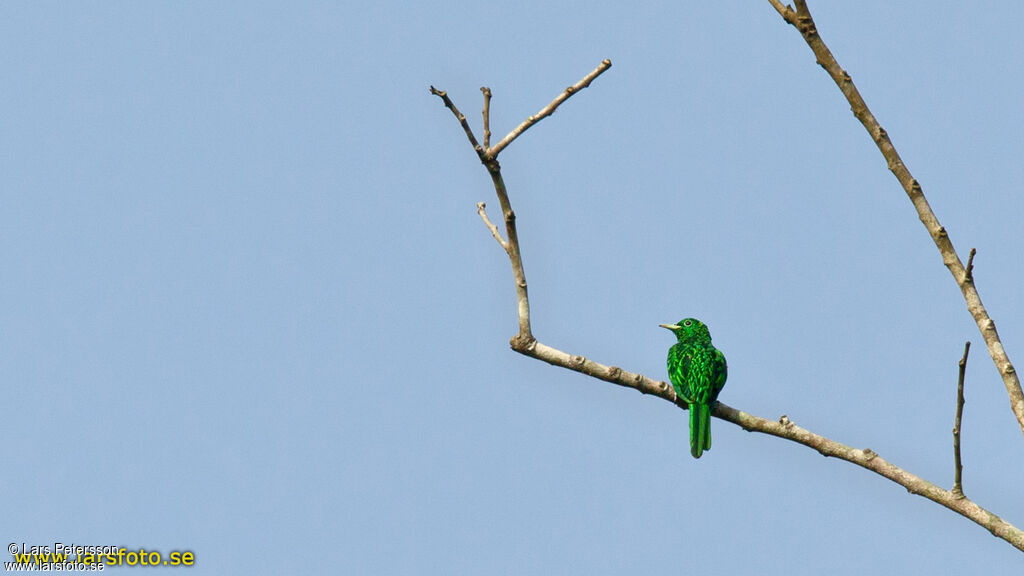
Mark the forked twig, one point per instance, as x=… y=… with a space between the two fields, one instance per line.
x=489 y=157
x=551 y=107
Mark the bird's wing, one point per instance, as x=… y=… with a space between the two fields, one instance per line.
x=721 y=371
x=679 y=360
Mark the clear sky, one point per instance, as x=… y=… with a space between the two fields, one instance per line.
x=248 y=308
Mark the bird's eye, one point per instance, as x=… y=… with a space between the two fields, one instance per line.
x=687 y=323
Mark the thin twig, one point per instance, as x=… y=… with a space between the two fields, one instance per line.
x=461 y=118
x=969 y=272
x=487 y=116
x=804 y=23
x=550 y=108
x=481 y=210
x=958 y=469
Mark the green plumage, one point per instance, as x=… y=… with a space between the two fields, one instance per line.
x=698 y=372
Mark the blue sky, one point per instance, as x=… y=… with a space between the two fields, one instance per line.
x=249 y=309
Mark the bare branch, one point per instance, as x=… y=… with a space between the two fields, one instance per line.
x=461 y=118
x=481 y=210
x=958 y=469
x=525 y=343
x=804 y=23
x=489 y=157
x=969 y=272
x=487 y=116
x=784 y=428
x=486 y=152
x=512 y=248
x=550 y=108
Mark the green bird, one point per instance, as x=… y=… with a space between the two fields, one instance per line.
x=698 y=372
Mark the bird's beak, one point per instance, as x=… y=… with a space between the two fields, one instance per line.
x=669 y=326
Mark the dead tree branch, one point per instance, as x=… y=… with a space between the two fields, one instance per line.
x=525 y=343
x=802 y=21
x=489 y=157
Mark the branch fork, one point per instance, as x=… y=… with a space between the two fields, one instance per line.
x=489 y=157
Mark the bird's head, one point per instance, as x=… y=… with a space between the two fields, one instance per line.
x=689 y=329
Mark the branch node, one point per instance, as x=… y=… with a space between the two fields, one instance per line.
x=523 y=343
x=805 y=24
x=869 y=454
x=614 y=372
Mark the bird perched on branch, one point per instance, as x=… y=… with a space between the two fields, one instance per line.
x=698 y=372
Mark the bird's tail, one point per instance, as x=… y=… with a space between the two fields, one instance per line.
x=700 y=429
